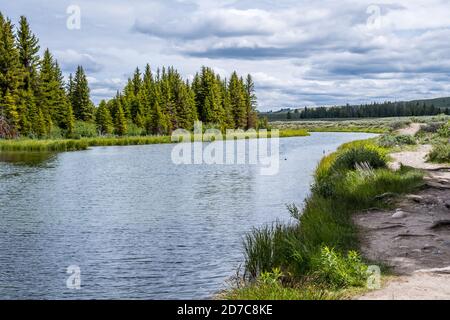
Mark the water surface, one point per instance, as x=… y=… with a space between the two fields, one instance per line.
x=138 y=226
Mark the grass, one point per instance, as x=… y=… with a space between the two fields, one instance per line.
x=31 y=145
x=61 y=145
x=440 y=153
x=320 y=250
x=375 y=125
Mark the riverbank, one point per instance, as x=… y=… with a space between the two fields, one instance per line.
x=349 y=222
x=318 y=255
x=62 y=145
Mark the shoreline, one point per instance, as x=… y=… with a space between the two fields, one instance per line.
x=63 y=145
x=315 y=226
x=405 y=180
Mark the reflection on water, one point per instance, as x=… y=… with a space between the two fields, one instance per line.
x=137 y=225
x=26 y=158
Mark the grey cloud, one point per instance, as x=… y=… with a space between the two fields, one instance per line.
x=70 y=59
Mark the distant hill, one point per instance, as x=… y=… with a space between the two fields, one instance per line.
x=375 y=110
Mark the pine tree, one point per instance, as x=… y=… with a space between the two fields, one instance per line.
x=237 y=99
x=27 y=44
x=120 y=121
x=9 y=105
x=11 y=73
x=226 y=103
x=81 y=103
x=212 y=111
x=251 y=103
x=52 y=97
x=103 y=119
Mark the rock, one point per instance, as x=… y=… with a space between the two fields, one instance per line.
x=414 y=198
x=447 y=204
x=399 y=214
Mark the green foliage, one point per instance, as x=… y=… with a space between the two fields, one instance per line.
x=81 y=103
x=34 y=96
x=134 y=130
x=349 y=159
x=440 y=153
x=354 y=177
x=338 y=270
x=121 y=121
x=389 y=140
x=103 y=119
x=84 y=129
x=444 y=131
x=431 y=107
x=42 y=145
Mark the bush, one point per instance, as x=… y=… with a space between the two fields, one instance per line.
x=350 y=158
x=134 y=130
x=432 y=127
x=55 y=133
x=444 y=131
x=440 y=153
x=339 y=271
x=83 y=129
x=389 y=141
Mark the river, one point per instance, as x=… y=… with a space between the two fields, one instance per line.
x=136 y=225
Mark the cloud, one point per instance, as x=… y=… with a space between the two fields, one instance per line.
x=300 y=52
x=221 y=23
x=70 y=59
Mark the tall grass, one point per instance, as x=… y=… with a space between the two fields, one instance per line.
x=55 y=145
x=440 y=153
x=30 y=145
x=321 y=247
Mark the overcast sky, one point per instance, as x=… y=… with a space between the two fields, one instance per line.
x=299 y=52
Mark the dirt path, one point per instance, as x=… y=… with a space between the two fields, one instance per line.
x=415 y=159
x=411 y=130
x=414 y=238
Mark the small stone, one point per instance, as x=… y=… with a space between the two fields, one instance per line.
x=399 y=214
x=414 y=198
x=447 y=204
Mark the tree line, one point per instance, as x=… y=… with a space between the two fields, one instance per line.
x=162 y=102
x=35 y=99
x=374 y=110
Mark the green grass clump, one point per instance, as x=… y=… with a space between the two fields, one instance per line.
x=339 y=271
x=440 y=153
x=269 y=286
x=30 y=145
x=351 y=158
x=390 y=141
x=126 y=141
x=293 y=133
x=320 y=249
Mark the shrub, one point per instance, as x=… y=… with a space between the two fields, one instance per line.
x=432 y=127
x=350 y=158
x=444 y=131
x=269 y=247
x=83 y=129
x=339 y=271
x=134 y=130
x=440 y=153
x=389 y=141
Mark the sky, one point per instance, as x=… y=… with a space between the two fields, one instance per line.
x=300 y=53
